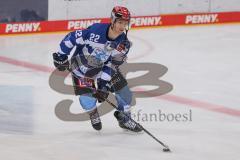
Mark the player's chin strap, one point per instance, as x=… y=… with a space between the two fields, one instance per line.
x=126 y=33
x=127 y=29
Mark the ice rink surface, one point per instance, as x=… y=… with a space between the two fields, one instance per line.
x=203 y=66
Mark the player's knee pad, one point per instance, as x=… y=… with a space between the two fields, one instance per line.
x=87 y=102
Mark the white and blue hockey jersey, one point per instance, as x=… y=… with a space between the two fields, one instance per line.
x=96 y=53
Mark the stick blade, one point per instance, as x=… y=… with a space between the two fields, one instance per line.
x=166 y=150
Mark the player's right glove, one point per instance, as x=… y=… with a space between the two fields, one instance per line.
x=102 y=92
x=60 y=61
x=101 y=95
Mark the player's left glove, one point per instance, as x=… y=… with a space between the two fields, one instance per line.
x=60 y=61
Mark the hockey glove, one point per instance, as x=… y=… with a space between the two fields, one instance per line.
x=101 y=95
x=60 y=62
x=103 y=90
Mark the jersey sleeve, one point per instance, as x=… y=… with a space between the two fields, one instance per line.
x=72 y=39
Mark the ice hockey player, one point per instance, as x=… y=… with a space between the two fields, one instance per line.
x=100 y=50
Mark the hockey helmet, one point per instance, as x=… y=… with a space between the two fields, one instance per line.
x=119 y=12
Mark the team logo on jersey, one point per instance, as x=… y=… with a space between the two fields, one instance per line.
x=100 y=55
x=121 y=47
x=124 y=46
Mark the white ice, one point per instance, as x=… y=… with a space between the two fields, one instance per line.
x=203 y=65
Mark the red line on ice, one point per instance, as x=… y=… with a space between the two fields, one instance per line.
x=24 y=64
x=201 y=104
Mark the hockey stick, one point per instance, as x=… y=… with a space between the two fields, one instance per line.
x=165 y=149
